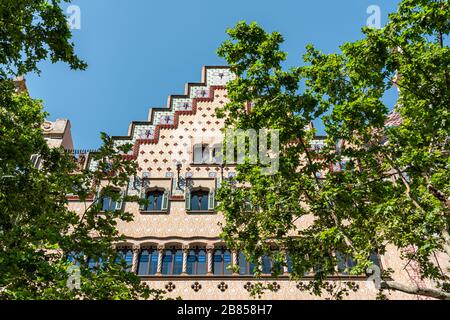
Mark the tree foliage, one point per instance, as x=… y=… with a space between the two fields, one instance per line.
x=395 y=188
x=38 y=232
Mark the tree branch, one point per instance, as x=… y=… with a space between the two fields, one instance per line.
x=427 y=292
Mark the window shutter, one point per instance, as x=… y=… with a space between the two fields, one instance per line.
x=188 y=200
x=212 y=200
x=198 y=154
x=165 y=201
x=119 y=202
x=142 y=197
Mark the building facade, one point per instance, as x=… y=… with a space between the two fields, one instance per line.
x=173 y=243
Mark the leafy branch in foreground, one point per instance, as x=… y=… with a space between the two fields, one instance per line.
x=392 y=187
x=38 y=232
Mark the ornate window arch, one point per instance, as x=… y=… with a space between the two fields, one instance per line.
x=148 y=261
x=156 y=199
x=107 y=202
x=125 y=253
x=200 y=199
x=222 y=259
x=197 y=260
x=172 y=260
x=246 y=267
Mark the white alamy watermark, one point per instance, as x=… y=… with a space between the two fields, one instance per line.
x=74 y=280
x=374 y=19
x=74 y=17
x=235 y=147
x=257 y=150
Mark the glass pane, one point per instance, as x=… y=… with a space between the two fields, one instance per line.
x=191 y=261
x=289 y=263
x=266 y=265
x=129 y=258
x=201 y=267
x=217 y=262
x=106 y=204
x=178 y=264
x=91 y=263
x=243 y=264
x=227 y=262
x=252 y=267
x=75 y=258
x=351 y=262
x=154 y=262
x=143 y=263
x=204 y=201
x=374 y=258
x=341 y=263
x=167 y=262
x=199 y=200
x=154 y=200
x=198 y=154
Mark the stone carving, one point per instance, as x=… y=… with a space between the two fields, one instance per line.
x=222 y=286
x=249 y=286
x=170 y=286
x=196 y=286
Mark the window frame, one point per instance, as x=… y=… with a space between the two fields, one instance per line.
x=174 y=252
x=223 y=265
x=195 y=264
x=165 y=200
x=151 y=252
x=250 y=266
x=208 y=206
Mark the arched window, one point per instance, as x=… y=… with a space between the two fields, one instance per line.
x=245 y=267
x=95 y=263
x=172 y=263
x=266 y=265
x=126 y=255
x=221 y=262
x=345 y=263
x=75 y=258
x=200 y=200
x=269 y=265
x=289 y=263
x=148 y=262
x=108 y=203
x=196 y=261
x=375 y=259
x=155 y=200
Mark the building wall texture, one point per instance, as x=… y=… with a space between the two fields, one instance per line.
x=168 y=138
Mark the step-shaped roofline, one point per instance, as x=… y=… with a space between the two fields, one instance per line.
x=170 y=106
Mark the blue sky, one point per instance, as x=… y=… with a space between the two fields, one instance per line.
x=141 y=51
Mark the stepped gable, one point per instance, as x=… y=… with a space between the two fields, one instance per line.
x=147 y=132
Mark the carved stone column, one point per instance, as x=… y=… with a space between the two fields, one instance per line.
x=161 y=249
x=134 y=266
x=210 y=252
x=235 y=261
x=185 y=258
